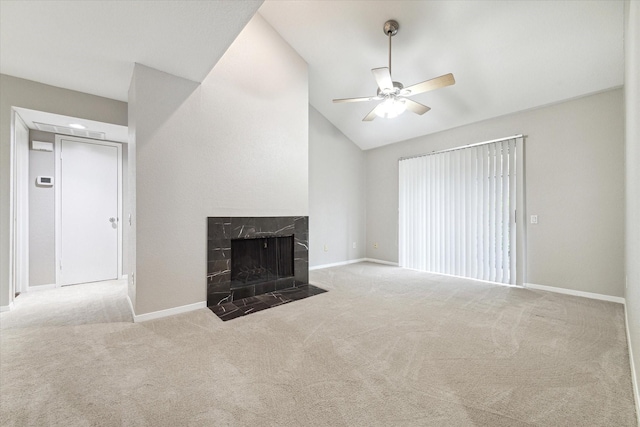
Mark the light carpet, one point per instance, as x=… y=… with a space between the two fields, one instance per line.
x=384 y=347
x=100 y=302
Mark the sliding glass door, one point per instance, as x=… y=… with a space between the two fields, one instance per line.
x=457 y=211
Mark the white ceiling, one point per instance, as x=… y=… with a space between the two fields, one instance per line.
x=506 y=56
x=91 y=46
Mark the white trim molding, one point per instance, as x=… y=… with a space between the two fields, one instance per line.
x=4 y=308
x=168 y=312
x=379 y=261
x=133 y=312
x=352 y=261
x=36 y=288
x=632 y=366
x=337 y=264
x=565 y=291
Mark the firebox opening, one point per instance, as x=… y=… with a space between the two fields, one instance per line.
x=261 y=260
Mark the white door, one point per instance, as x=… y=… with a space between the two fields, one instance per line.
x=89 y=198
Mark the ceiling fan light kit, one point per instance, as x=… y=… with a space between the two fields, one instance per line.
x=393 y=94
x=390 y=108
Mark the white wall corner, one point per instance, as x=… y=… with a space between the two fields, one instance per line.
x=4 y=308
x=168 y=312
x=591 y=295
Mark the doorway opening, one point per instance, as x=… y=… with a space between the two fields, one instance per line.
x=33 y=255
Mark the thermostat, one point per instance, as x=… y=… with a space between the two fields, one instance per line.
x=44 y=181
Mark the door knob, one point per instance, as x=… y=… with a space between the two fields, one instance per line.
x=112 y=219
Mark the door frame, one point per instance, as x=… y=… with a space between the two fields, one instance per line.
x=16 y=193
x=58 y=198
x=20 y=265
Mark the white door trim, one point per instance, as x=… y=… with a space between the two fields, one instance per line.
x=58 y=197
x=16 y=246
x=12 y=211
x=21 y=207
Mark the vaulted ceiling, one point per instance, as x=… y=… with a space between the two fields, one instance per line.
x=92 y=46
x=506 y=56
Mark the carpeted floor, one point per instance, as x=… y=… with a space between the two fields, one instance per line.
x=383 y=347
x=100 y=302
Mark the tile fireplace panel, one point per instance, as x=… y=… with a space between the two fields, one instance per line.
x=220 y=232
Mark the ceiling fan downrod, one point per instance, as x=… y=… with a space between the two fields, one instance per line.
x=391 y=29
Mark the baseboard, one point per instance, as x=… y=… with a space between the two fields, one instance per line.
x=353 y=261
x=37 y=288
x=488 y=282
x=169 y=312
x=4 y=308
x=591 y=295
x=336 y=264
x=379 y=261
x=634 y=374
x=133 y=312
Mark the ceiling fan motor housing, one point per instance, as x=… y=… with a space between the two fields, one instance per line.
x=397 y=87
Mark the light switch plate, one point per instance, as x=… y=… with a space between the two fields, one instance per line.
x=534 y=219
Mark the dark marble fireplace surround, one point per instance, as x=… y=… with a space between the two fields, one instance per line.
x=220 y=232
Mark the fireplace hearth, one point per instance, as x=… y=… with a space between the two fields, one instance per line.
x=250 y=256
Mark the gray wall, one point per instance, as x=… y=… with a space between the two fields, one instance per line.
x=632 y=104
x=574 y=183
x=236 y=145
x=337 y=184
x=36 y=96
x=42 y=244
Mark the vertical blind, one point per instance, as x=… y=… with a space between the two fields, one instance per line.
x=457 y=212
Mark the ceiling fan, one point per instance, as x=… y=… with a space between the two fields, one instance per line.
x=393 y=94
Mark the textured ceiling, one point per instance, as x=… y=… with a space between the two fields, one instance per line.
x=506 y=56
x=91 y=46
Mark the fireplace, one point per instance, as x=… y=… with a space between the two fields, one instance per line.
x=254 y=256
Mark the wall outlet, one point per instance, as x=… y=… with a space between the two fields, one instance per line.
x=354 y=245
x=326 y=248
x=375 y=245
x=534 y=219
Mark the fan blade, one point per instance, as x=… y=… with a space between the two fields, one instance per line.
x=437 y=83
x=369 y=98
x=372 y=115
x=416 y=107
x=383 y=78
